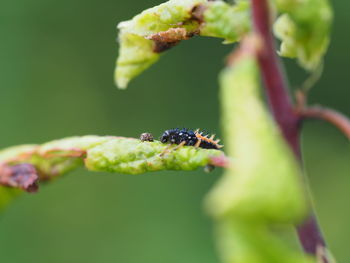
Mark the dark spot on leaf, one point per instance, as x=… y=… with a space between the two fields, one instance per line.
x=198 y=13
x=160 y=47
x=167 y=39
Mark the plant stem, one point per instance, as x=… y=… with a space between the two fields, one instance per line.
x=337 y=119
x=283 y=112
x=273 y=77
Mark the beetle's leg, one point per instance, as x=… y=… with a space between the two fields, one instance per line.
x=198 y=143
x=168 y=148
x=180 y=145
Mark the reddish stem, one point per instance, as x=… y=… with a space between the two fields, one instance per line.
x=337 y=119
x=274 y=79
x=283 y=112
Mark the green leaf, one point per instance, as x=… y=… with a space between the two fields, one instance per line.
x=135 y=55
x=265 y=181
x=108 y=153
x=130 y=156
x=241 y=241
x=262 y=189
x=101 y=153
x=136 y=52
x=142 y=38
x=225 y=21
x=162 y=17
x=304 y=29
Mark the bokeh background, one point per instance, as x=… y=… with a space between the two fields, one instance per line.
x=56 y=77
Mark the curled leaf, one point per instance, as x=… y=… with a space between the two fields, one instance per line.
x=225 y=21
x=264 y=183
x=137 y=50
x=263 y=187
x=136 y=54
x=304 y=29
x=157 y=29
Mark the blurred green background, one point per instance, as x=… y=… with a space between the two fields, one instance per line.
x=56 y=76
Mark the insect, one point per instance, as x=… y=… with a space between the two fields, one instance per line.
x=190 y=138
x=146 y=137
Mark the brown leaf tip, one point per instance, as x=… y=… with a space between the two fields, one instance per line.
x=23 y=176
